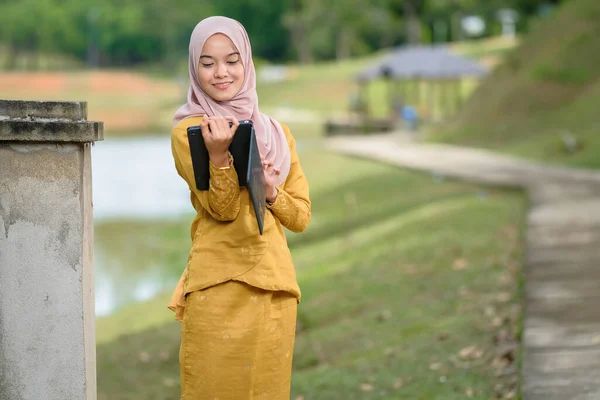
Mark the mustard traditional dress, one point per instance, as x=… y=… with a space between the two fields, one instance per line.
x=237 y=298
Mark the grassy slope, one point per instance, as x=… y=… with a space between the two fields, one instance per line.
x=130 y=102
x=384 y=301
x=391 y=294
x=547 y=88
x=126 y=101
x=323 y=87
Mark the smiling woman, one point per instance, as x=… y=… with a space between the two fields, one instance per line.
x=221 y=74
x=238 y=295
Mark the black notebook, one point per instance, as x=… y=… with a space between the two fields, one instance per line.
x=246 y=161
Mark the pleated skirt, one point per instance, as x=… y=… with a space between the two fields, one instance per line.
x=237 y=343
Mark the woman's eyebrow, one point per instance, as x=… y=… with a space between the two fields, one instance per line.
x=235 y=53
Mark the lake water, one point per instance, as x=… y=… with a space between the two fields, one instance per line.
x=133 y=179
x=136 y=178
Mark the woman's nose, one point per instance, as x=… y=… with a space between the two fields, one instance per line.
x=221 y=71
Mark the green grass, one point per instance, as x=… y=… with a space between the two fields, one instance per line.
x=399 y=272
x=143 y=101
x=36 y=61
x=481 y=49
x=326 y=88
x=545 y=95
x=323 y=88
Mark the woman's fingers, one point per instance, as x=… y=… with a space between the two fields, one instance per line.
x=214 y=129
x=217 y=131
x=206 y=134
x=269 y=167
x=224 y=127
x=235 y=123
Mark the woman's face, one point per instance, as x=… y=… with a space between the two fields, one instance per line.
x=220 y=71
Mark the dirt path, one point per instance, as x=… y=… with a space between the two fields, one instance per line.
x=562 y=318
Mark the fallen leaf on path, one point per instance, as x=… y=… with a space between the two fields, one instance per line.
x=410 y=269
x=366 y=387
x=435 y=366
x=504 y=297
x=500 y=363
x=169 y=382
x=507 y=350
x=505 y=279
x=384 y=315
x=470 y=353
x=501 y=336
x=460 y=264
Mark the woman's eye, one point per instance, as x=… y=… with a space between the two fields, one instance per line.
x=207 y=65
x=232 y=62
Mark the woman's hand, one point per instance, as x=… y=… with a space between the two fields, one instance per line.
x=217 y=136
x=270 y=175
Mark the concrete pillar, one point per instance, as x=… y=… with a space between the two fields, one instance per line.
x=47 y=338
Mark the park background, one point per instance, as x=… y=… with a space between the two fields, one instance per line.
x=412 y=282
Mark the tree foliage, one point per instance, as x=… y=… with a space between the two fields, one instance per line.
x=129 y=32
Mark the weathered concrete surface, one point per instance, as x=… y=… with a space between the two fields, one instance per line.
x=42 y=344
x=47 y=338
x=21 y=130
x=562 y=317
x=41 y=121
x=71 y=110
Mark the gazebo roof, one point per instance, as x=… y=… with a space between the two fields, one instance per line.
x=422 y=62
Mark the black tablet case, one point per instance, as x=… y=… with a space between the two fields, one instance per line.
x=246 y=161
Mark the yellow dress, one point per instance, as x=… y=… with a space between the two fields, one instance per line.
x=238 y=294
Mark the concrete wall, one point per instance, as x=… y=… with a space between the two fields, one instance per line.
x=47 y=341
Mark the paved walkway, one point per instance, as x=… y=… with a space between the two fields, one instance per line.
x=562 y=318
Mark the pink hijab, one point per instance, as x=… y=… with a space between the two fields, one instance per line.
x=271 y=139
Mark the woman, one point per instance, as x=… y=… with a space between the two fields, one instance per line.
x=238 y=295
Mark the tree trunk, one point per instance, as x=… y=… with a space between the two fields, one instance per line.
x=299 y=29
x=456 y=29
x=413 y=25
x=344 y=43
x=12 y=54
x=301 y=43
x=33 y=54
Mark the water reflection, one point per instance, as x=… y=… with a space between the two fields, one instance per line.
x=136 y=178
x=141 y=216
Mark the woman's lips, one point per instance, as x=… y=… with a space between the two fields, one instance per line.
x=222 y=86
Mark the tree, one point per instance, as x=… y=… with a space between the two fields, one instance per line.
x=119 y=32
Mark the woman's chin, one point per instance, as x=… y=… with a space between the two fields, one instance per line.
x=221 y=95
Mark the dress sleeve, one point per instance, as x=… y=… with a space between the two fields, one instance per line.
x=222 y=199
x=292 y=206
